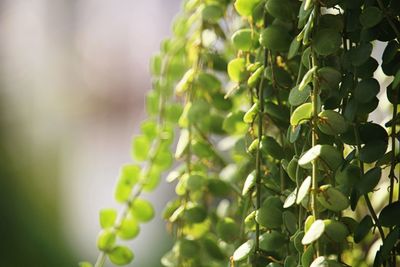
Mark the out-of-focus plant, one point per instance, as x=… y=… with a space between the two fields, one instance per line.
x=277 y=160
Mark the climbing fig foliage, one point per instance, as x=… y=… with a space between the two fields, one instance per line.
x=280 y=120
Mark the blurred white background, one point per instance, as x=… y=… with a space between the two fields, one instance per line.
x=74 y=78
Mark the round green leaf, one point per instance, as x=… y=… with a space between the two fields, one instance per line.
x=106 y=239
x=237 y=69
x=303 y=190
x=212 y=248
x=212 y=13
x=332 y=199
x=129 y=228
x=149 y=129
x=279 y=112
x=228 y=230
x=107 y=217
x=359 y=55
x=140 y=147
x=142 y=210
x=152 y=180
x=208 y=82
x=250 y=115
x=331 y=122
x=195 y=182
x=348 y=176
x=327 y=41
x=245 y=39
x=234 y=124
x=369 y=180
x=152 y=102
x=280 y=9
x=371 y=16
x=366 y=90
x=314 y=233
x=243 y=251
x=297 y=97
x=290 y=221
x=121 y=255
x=372 y=151
x=271 y=147
x=245 y=7
x=272 y=241
x=275 y=38
x=390 y=215
x=188 y=248
x=389 y=242
x=328 y=155
x=270 y=213
x=301 y=114
x=128 y=177
x=195 y=213
x=329 y=78
x=363 y=228
x=335 y=230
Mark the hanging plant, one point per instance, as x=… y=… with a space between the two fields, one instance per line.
x=278 y=160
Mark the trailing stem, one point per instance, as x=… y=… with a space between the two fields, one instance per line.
x=392 y=174
x=314 y=134
x=259 y=152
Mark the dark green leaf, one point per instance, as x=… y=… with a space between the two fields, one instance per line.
x=272 y=241
x=370 y=16
x=390 y=215
x=271 y=147
x=335 y=230
x=332 y=199
x=369 y=181
x=212 y=13
x=280 y=9
x=270 y=213
x=228 y=230
x=331 y=122
x=366 y=90
x=363 y=228
x=372 y=151
x=327 y=41
x=276 y=38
